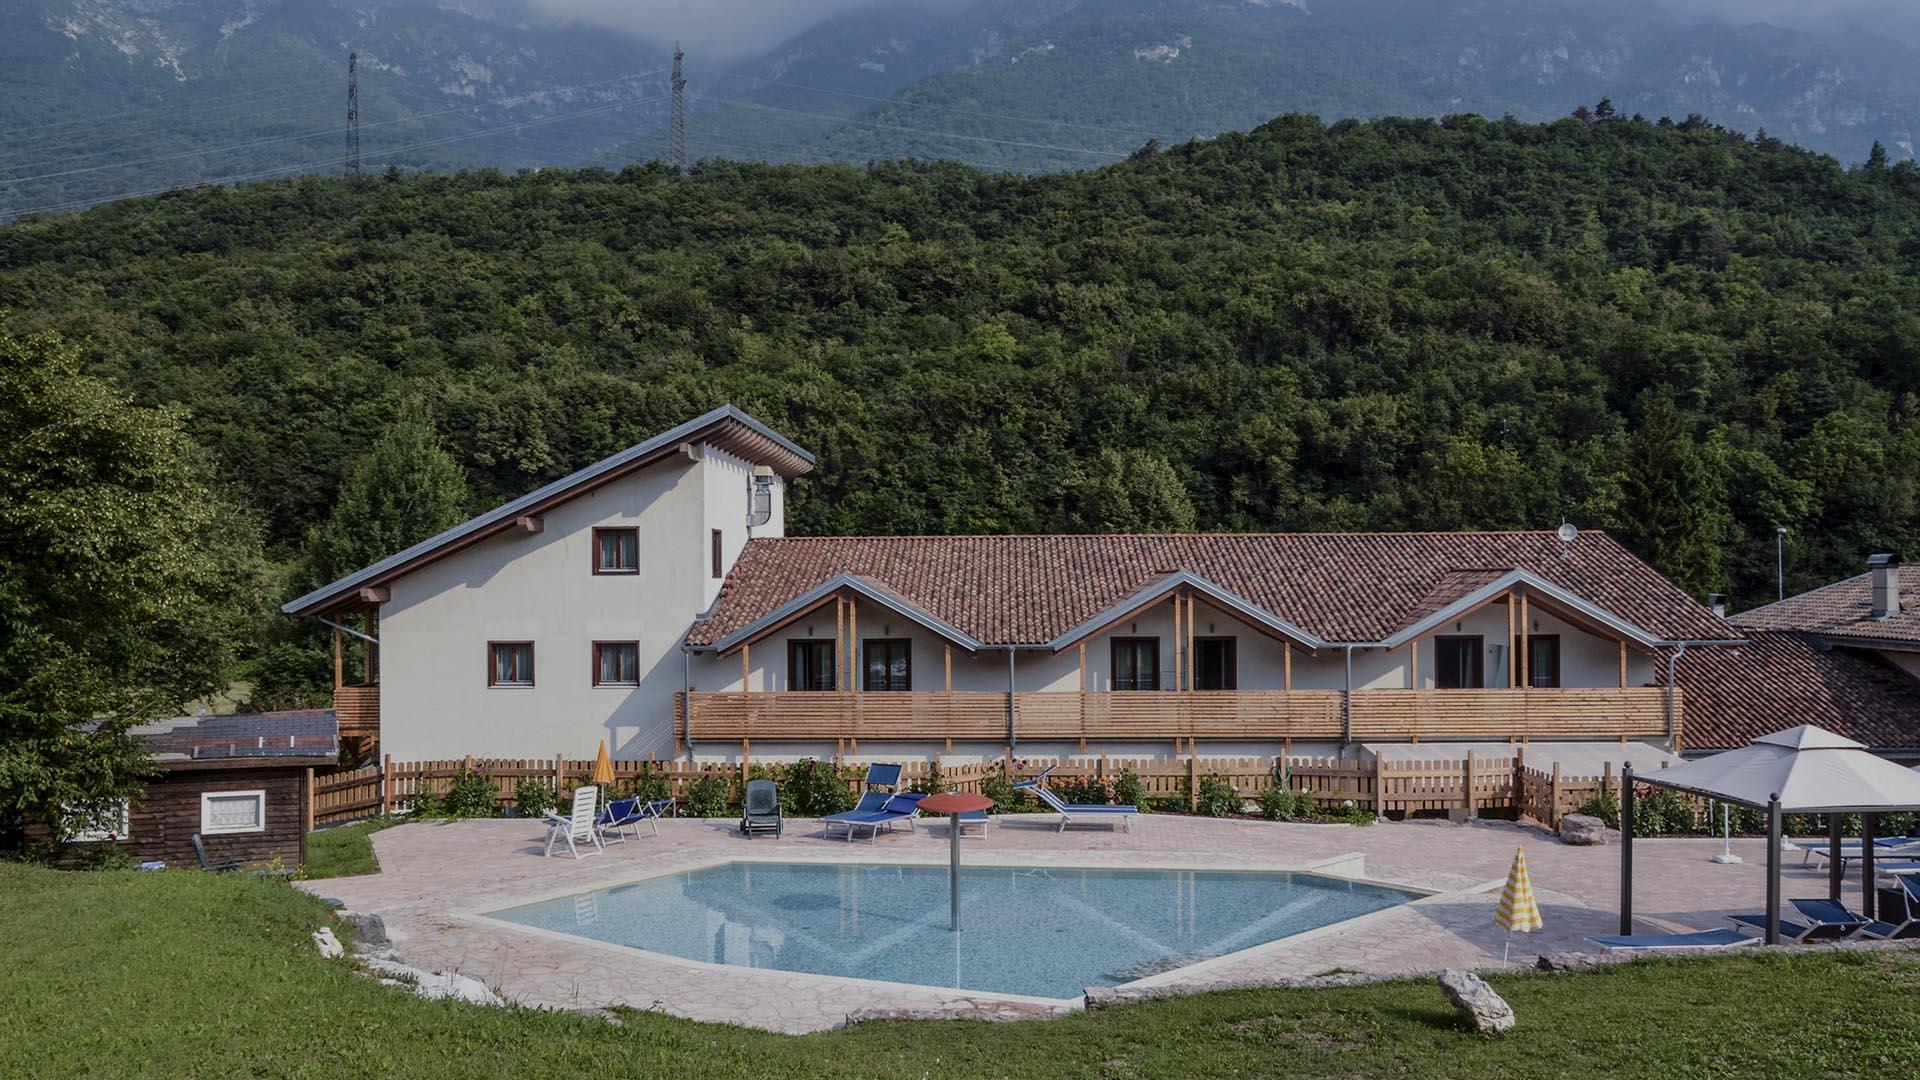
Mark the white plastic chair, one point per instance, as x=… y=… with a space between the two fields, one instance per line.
x=577 y=828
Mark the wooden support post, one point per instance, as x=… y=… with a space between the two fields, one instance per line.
x=1513 y=653
x=745 y=669
x=1176 y=640
x=306 y=816
x=1413 y=664
x=1286 y=659
x=1193 y=667
x=949 y=659
x=1623 y=665
x=1526 y=646
x=853 y=645
x=339 y=662
x=369 y=624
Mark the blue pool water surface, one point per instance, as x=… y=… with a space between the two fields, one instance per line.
x=1041 y=932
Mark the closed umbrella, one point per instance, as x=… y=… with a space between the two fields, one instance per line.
x=1518 y=911
x=602 y=775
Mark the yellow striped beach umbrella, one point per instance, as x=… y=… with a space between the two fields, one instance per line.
x=1518 y=910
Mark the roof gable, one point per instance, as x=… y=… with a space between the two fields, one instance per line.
x=1843 y=611
x=726 y=428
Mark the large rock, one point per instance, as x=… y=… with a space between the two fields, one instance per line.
x=369 y=930
x=1487 y=1011
x=329 y=946
x=1585 y=829
x=434 y=984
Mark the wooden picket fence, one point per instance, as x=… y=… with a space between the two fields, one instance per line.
x=1504 y=786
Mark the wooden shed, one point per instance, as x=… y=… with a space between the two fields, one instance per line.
x=242 y=782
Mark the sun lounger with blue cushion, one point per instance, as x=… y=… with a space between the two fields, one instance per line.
x=1820 y=920
x=1082 y=811
x=1888 y=848
x=1723 y=938
x=900 y=808
x=871 y=812
x=1899 y=910
x=630 y=814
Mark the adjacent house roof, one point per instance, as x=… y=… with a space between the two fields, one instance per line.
x=1782 y=678
x=1337 y=587
x=725 y=428
x=1843 y=611
x=305 y=733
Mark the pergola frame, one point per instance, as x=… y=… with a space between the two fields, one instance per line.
x=1836 y=869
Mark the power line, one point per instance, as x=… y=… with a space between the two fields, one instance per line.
x=236 y=101
x=262 y=173
x=944 y=108
x=928 y=131
x=314 y=134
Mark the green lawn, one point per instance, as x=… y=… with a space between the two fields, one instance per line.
x=344 y=850
x=189 y=974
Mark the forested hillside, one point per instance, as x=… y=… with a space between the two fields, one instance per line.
x=1669 y=332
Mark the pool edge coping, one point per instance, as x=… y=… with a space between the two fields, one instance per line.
x=484 y=916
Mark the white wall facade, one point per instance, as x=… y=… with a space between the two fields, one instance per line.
x=435 y=700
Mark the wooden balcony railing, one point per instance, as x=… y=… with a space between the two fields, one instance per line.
x=358 y=710
x=1378 y=715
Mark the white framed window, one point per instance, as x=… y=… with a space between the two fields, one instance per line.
x=104 y=823
x=232 y=812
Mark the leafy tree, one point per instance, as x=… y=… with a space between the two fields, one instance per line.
x=125 y=581
x=402 y=491
x=1131 y=491
x=1668 y=498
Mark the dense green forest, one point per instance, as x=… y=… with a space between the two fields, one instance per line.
x=1670 y=331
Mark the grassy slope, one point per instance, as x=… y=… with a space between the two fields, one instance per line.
x=184 y=974
x=343 y=851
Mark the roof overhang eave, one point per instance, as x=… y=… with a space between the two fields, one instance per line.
x=827 y=590
x=1152 y=593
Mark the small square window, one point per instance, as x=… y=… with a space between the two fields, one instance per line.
x=616 y=551
x=107 y=822
x=232 y=812
x=510 y=663
x=616 y=663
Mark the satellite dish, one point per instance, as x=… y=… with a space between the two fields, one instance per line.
x=1569 y=532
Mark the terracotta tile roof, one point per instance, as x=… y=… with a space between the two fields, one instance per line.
x=1345 y=587
x=1783 y=678
x=301 y=733
x=1843 y=609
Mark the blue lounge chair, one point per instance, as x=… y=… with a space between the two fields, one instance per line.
x=1820 y=920
x=881 y=783
x=1899 y=910
x=900 y=809
x=1888 y=848
x=1084 y=811
x=630 y=814
x=1723 y=938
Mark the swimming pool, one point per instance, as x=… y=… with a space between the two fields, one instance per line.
x=1038 y=932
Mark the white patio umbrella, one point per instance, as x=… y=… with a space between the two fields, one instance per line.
x=1802 y=770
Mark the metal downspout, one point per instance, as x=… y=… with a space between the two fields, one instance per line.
x=1673 y=673
x=1013 y=735
x=1346 y=704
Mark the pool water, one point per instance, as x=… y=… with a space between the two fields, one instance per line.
x=1039 y=932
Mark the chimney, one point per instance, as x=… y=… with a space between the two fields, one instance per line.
x=1717 y=603
x=1885 y=570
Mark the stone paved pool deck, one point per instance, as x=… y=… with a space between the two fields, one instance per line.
x=435 y=878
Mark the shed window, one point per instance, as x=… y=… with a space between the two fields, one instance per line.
x=91 y=825
x=889 y=664
x=232 y=812
x=810 y=665
x=1460 y=663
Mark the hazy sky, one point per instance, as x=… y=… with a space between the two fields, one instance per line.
x=730 y=28
x=714 y=28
